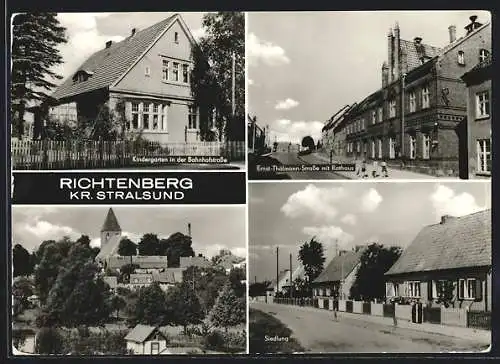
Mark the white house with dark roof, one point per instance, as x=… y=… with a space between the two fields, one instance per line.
x=150 y=72
x=450 y=257
x=146 y=340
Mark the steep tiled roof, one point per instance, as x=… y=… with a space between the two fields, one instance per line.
x=412 y=53
x=169 y=276
x=459 y=242
x=108 y=64
x=111 y=222
x=141 y=333
x=144 y=262
x=200 y=262
x=337 y=116
x=340 y=267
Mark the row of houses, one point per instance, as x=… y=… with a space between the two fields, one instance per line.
x=433 y=111
x=151 y=268
x=447 y=263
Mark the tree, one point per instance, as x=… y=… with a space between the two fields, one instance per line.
x=21 y=261
x=211 y=80
x=258 y=288
x=300 y=288
x=105 y=125
x=49 y=341
x=219 y=257
x=151 y=306
x=176 y=246
x=127 y=248
x=50 y=255
x=149 y=244
x=35 y=41
x=236 y=276
x=370 y=280
x=228 y=310
x=312 y=257
x=22 y=288
x=126 y=270
x=117 y=304
x=445 y=292
x=308 y=142
x=208 y=286
x=79 y=295
x=183 y=306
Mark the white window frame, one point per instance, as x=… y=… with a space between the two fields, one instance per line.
x=425 y=97
x=483 y=54
x=157 y=345
x=461 y=58
x=192 y=112
x=165 y=69
x=392 y=148
x=380 y=115
x=156 y=115
x=413 y=101
x=374 y=116
x=185 y=73
x=373 y=148
x=464 y=284
x=483 y=147
x=414 y=289
x=413 y=147
x=392 y=108
x=135 y=112
x=175 y=71
x=146 y=112
x=426 y=146
x=379 y=149
x=482 y=104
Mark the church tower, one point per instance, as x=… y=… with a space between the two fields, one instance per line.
x=111 y=233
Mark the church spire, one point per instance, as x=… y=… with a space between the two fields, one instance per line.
x=111 y=222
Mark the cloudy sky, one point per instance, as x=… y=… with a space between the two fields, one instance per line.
x=304 y=67
x=212 y=227
x=88 y=32
x=289 y=214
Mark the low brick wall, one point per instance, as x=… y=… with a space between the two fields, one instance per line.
x=403 y=312
x=377 y=309
x=454 y=316
x=357 y=307
x=342 y=305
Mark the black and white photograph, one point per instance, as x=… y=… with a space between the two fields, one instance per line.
x=129 y=280
x=128 y=90
x=369 y=95
x=340 y=267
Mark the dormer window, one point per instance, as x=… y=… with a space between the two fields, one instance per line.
x=82 y=76
x=461 y=58
x=176 y=37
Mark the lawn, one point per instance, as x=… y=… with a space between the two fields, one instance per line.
x=270 y=335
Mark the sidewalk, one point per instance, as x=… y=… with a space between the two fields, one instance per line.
x=466 y=333
x=393 y=172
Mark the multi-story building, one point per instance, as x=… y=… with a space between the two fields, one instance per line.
x=146 y=76
x=477 y=163
x=333 y=137
x=416 y=116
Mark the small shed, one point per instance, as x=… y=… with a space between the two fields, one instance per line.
x=146 y=340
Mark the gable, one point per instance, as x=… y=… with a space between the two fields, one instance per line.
x=137 y=79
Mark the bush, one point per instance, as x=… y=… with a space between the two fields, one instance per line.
x=214 y=341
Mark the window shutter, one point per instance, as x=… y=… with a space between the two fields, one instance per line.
x=478 y=294
x=429 y=290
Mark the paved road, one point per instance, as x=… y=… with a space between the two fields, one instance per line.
x=291 y=158
x=318 y=331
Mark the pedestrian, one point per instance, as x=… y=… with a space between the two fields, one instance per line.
x=383 y=164
x=375 y=169
x=394 y=319
x=363 y=169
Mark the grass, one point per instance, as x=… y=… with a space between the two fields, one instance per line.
x=263 y=325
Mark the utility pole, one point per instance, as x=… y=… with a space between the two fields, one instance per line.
x=277 y=268
x=403 y=115
x=291 y=283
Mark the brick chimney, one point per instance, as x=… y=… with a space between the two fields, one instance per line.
x=453 y=33
x=108 y=43
x=132 y=33
x=446 y=218
x=397 y=66
x=385 y=74
x=473 y=24
x=390 y=45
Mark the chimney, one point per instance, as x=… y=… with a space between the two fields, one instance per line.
x=453 y=33
x=397 y=67
x=473 y=24
x=189 y=229
x=390 y=45
x=417 y=40
x=132 y=33
x=445 y=218
x=385 y=74
x=108 y=43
